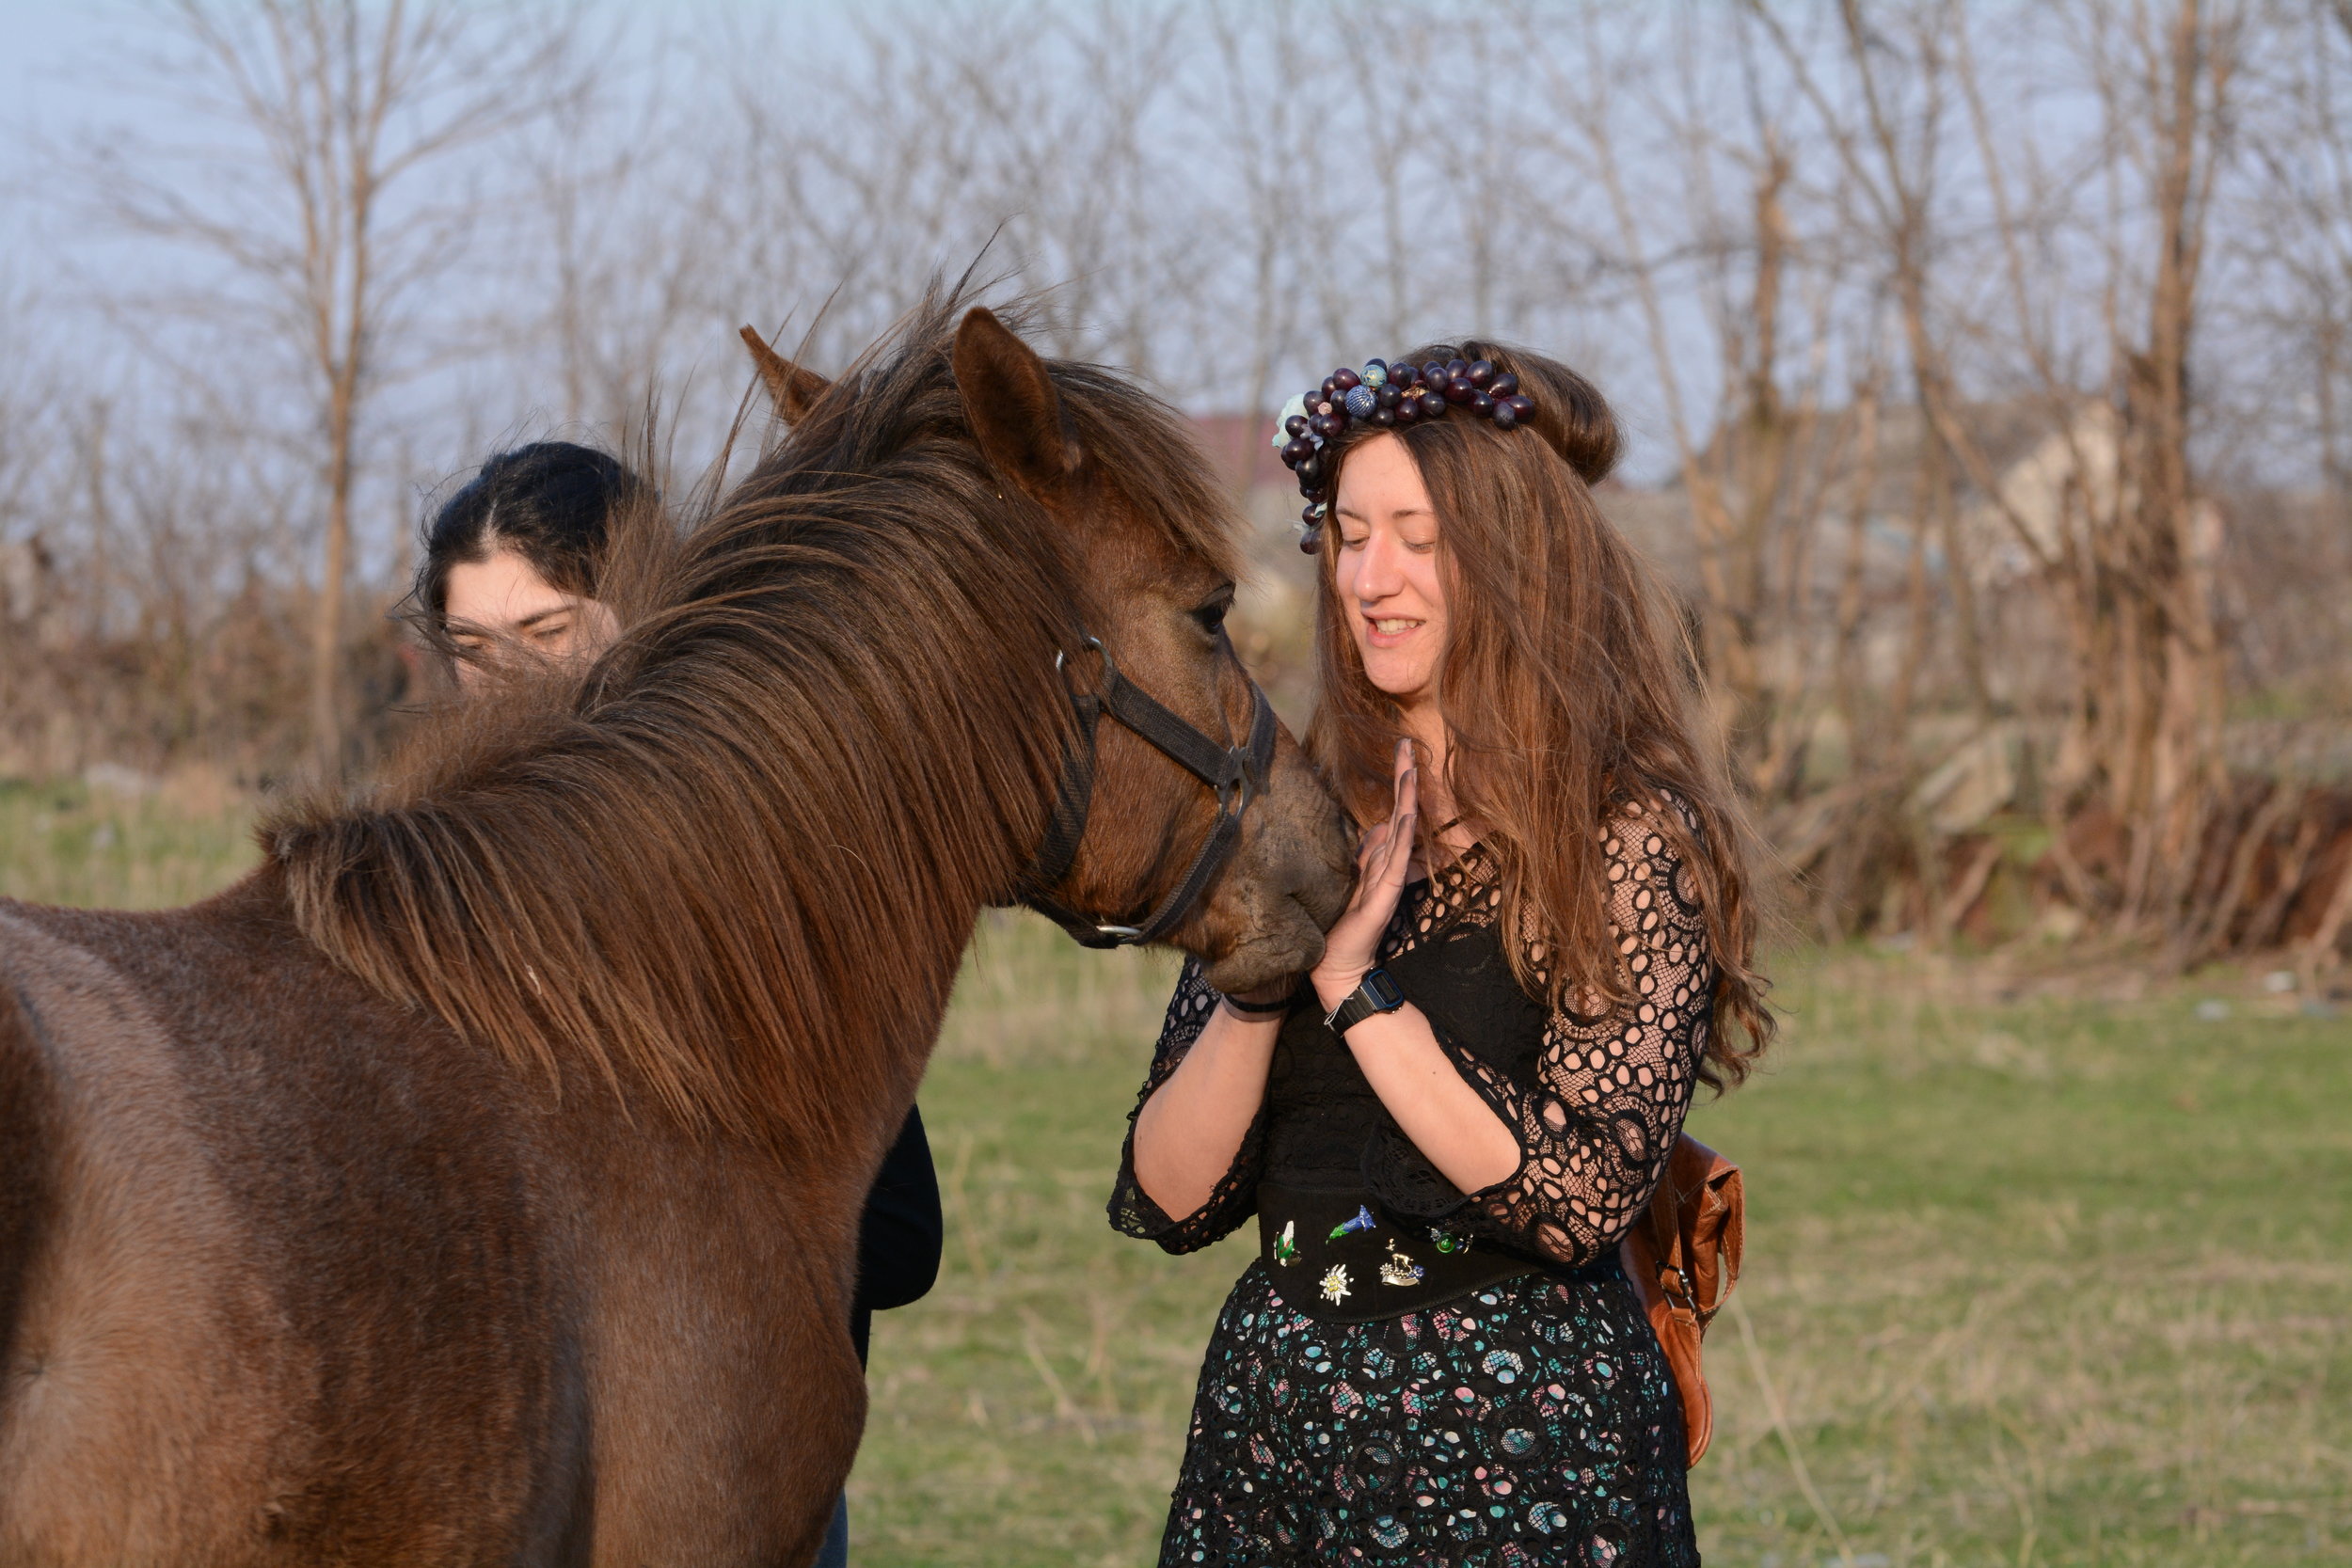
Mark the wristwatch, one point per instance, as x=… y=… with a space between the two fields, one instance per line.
x=1374 y=993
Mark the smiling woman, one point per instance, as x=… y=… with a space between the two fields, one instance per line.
x=1386 y=569
x=1447 y=1126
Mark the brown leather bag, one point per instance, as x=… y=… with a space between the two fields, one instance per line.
x=1683 y=1257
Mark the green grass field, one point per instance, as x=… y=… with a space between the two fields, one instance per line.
x=159 y=845
x=2056 y=1272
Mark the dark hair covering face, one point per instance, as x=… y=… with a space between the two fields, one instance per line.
x=548 y=502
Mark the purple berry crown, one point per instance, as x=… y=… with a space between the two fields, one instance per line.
x=1384 y=395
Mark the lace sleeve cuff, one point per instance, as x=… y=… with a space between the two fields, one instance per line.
x=1131 y=1210
x=1235 y=1200
x=1404 y=1180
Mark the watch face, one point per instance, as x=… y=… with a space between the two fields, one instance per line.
x=1383 y=991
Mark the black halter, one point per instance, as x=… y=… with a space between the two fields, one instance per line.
x=1235 y=772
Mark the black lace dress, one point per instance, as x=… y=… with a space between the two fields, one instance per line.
x=1531 y=1420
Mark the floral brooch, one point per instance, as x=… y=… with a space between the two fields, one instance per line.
x=1335 y=1284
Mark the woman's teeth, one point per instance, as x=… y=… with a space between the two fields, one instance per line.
x=1391 y=628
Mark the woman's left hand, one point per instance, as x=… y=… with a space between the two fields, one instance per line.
x=1353 y=945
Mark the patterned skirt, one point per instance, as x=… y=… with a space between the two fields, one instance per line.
x=1531 y=1422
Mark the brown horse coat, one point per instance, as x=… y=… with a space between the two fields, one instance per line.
x=520 y=1229
x=352 y=1293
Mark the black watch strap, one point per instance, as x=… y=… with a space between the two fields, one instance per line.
x=1374 y=993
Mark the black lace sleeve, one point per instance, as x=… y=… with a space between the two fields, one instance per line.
x=1598 y=1107
x=1235 y=1199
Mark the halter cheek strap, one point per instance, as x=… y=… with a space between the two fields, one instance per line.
x=1237 y=774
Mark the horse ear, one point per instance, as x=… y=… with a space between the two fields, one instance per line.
x=1011 y=406
x=790 y=389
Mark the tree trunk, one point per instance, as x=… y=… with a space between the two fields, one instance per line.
x=327 y=627
x=2161 y=732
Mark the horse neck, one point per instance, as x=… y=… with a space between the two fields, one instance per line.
x=739 y=874
x=958 y=785
x=942 y=724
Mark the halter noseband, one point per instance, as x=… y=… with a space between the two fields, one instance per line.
x=1235 y=772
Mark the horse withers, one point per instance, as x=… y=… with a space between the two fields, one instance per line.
x=477 y=1181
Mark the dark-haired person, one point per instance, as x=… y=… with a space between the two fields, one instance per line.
x=1445 y=1130
x=509 y=569
x=509 y=563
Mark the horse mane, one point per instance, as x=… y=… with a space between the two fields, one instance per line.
x=737 y=860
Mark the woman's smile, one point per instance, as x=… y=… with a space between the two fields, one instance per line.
x=1386 y=567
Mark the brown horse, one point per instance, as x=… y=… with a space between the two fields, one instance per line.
x=477 y=1181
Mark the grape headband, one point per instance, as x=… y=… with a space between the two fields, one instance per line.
x=1388 y=396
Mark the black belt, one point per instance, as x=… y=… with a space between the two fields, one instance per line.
x=1338 y=1259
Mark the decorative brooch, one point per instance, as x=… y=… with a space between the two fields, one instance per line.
x=1400 y=1270
x=1363 y=1221
x=1286 y=1244
x=1388 y=396
x=1447 y=1242
x=1335 y=1284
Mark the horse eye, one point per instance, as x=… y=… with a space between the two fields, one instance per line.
x=1212 y=614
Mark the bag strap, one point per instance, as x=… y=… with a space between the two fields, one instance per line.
x=1683 y=1257
x=1697 y=1225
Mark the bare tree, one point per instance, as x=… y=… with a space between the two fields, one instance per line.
x=1277 y=218
x=1728 y=271
x=2131 y=569
x=2171 y=84
x=334 y=198
x=1947 y=395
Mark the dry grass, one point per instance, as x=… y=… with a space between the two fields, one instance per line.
x=2044 y=1268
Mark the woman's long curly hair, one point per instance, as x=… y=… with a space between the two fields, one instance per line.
x=1565 y=686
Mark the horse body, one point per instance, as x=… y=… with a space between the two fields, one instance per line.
x=478 y=1182
x=424 y=1312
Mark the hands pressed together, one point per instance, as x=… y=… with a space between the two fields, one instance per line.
x=1383 y=864
x=1190 y=1129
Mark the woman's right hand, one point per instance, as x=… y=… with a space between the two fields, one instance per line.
x=1352 y=946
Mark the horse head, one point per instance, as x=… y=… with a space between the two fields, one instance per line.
x=1165 y=827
